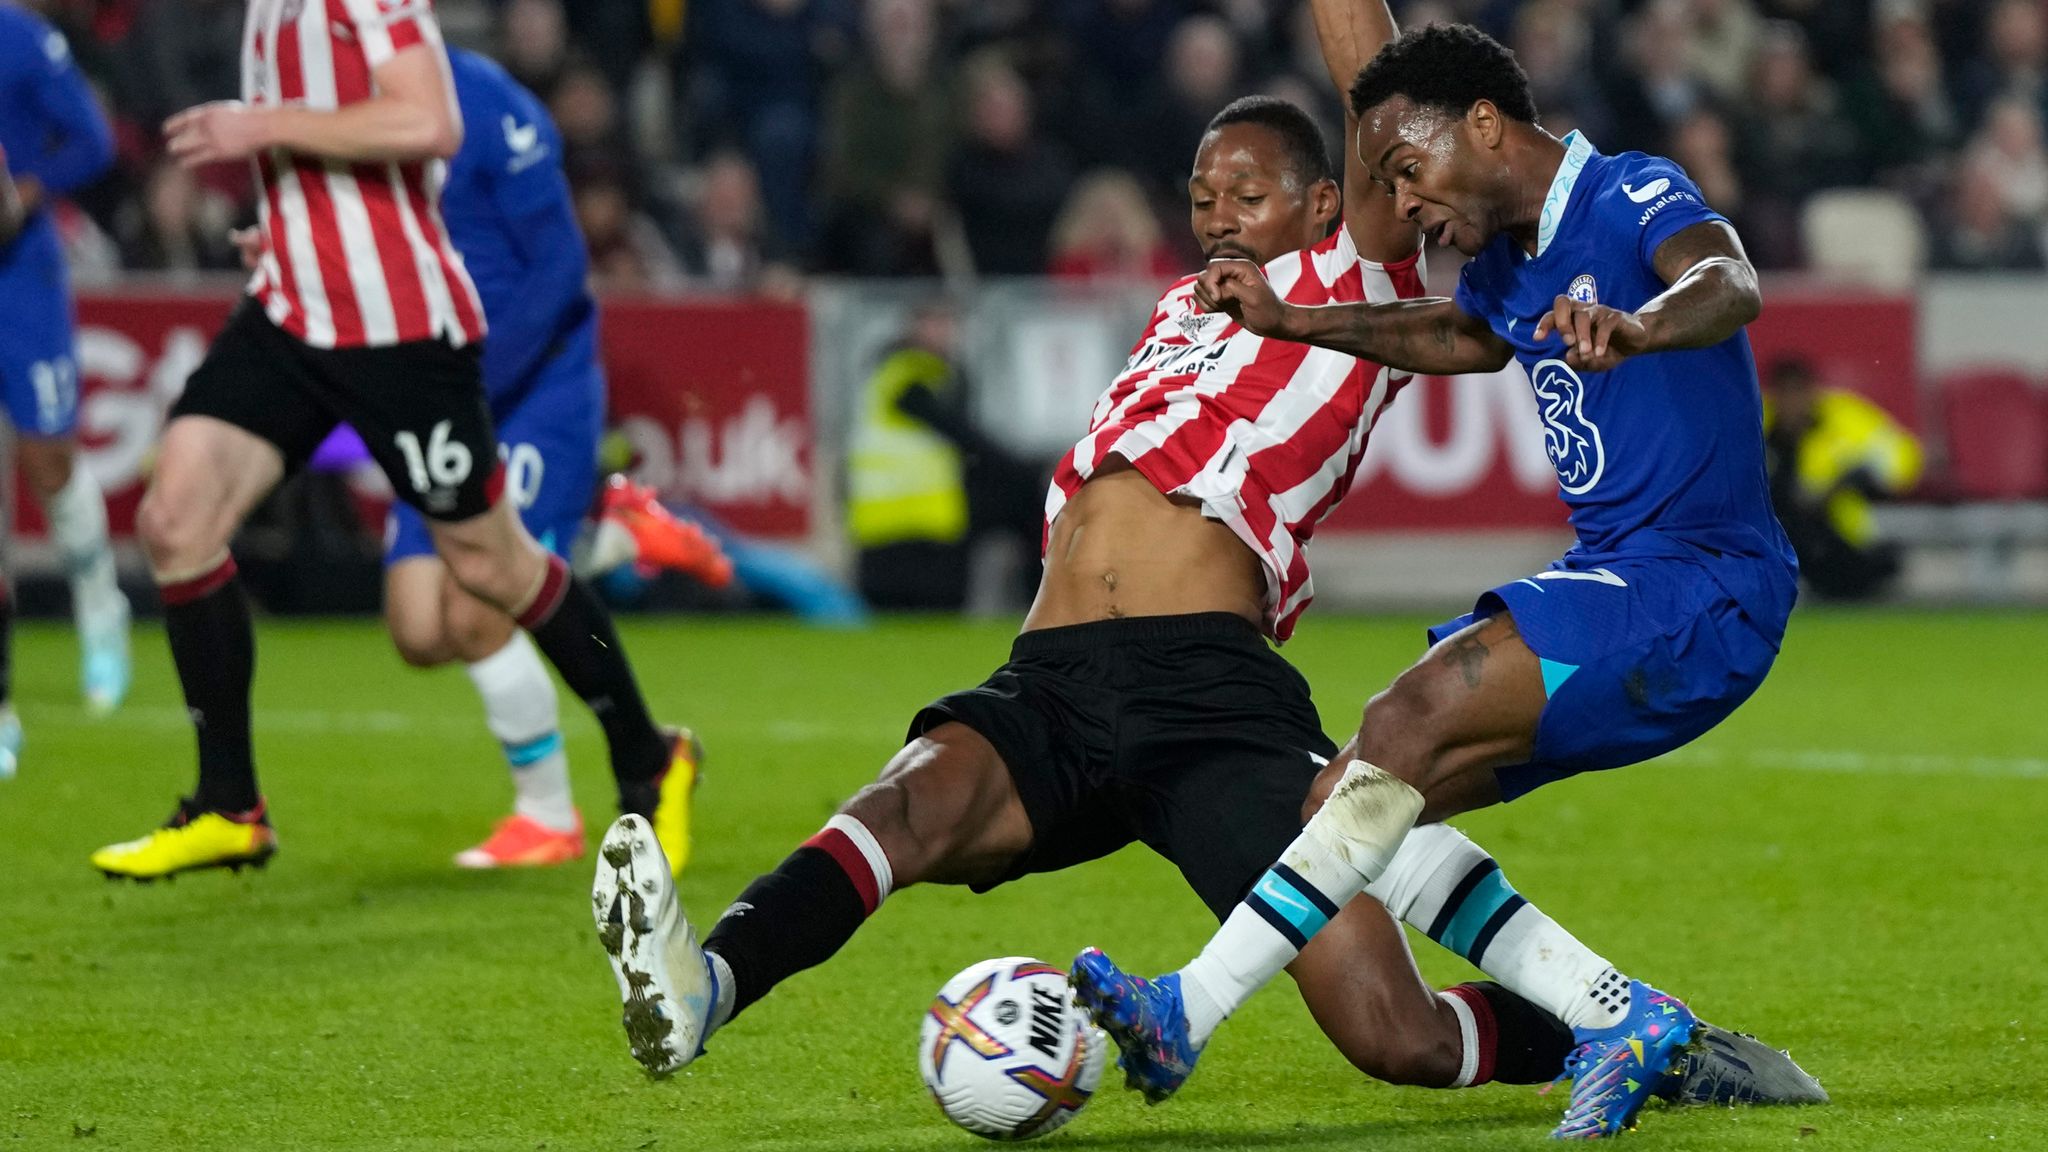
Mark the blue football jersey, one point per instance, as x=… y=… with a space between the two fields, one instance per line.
x=508 y=209
x=1662 y=455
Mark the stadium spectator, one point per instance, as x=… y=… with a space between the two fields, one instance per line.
x=1900 y=104
x=1837 y=30
x=587 y=110
x=1726 y=35
x=1006 y=181
x=1200 y=77
x=1554 y=42
x=757 y=70
x=627 y=250
x=1661 y=88
x=179 y=226
x=729 y=244
x=1977 y=230
x=180 y=53
x=1793 y=143
x=2013 y=60
x=888 y=124
x=1830 y=453
x=1705 y=147
x=2009 y=145
x=1108 y=232
x=1120 y=43
x=534 y=44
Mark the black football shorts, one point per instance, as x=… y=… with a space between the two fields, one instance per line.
x=419 y=407
x=1186 y=733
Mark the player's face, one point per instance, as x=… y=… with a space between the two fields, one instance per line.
x=1246 y=200
x=1436 y=167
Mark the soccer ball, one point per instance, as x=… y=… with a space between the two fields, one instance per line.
x=1006 y=1052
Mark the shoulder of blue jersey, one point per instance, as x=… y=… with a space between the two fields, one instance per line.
x=1638 y=187
x=511 y=123
x=22 y=31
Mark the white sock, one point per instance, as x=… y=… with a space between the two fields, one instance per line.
x=520 y=710
x=78 y=523
x=1446 y=886
x=1346 y=844
x=721 y=1008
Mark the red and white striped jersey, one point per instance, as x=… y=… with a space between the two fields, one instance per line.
x=1266 y=434
x=354 y=254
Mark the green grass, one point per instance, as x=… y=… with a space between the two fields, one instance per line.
x=1852 y=867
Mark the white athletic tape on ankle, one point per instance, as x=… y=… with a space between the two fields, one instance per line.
x=1363 y=822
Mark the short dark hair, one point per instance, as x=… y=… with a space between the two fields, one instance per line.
x=1306 y=153
x=1446 y=66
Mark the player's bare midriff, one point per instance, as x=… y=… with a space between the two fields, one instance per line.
x=1121 y=548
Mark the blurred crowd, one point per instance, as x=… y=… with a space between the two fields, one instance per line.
x=738 y=145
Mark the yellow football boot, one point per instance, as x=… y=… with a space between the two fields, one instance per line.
x=677 y=786
x=192 y=840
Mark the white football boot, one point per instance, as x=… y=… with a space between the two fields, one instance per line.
x=665 y=981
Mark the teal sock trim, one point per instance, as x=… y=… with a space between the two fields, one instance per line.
x=1554 y=675
x=1486 y=898
x=534 y=751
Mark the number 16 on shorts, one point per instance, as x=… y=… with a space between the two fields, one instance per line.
x=438 y=468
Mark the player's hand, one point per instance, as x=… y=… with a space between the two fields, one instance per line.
x=248 y=244
x=1596 y=337
x=1238 y=288
x=212 y=133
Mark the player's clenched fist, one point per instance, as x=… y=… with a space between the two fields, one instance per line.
x=1239 y=289
x=1596 y=337
x=211 y=133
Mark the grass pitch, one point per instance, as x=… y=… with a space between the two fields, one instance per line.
x=1851 y=867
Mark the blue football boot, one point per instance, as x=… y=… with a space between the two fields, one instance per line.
x=1144 y=1017
x=1615 y=1070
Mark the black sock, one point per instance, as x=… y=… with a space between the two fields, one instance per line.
x=214 y=646
x=575 y=633
x=791 y=919
x=1528 y=1045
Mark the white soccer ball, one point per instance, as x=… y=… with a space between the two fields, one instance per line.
x=1006 y=1052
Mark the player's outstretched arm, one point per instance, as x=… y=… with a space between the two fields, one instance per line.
x=1713 y=292
x=1351 y=33
x=1431 y=335
x=411 y=117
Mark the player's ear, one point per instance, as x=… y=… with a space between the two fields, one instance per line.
x=1325 y=200
x=1483 y=120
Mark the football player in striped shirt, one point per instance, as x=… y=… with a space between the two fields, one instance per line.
x=360 y=311
x=1142 y=702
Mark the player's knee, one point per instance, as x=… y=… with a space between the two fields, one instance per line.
x=418 y=639
x=475 y=630
x=175 y=536
x=483 y=572
x=1404 y=729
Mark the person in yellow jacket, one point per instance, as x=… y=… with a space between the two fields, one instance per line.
x=923 y=482
x=1830 y=454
